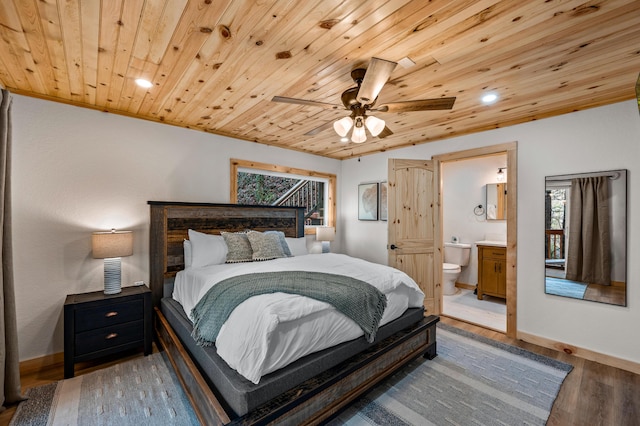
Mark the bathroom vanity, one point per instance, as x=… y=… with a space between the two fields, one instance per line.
x=492 y=269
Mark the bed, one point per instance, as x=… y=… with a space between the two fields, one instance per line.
x=310 y=389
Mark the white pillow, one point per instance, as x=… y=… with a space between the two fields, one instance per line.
x=206 y=249
x=186 y=246
x=298 y=246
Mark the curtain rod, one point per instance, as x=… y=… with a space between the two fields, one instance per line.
x=613 y=175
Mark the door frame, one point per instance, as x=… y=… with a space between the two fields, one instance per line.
x=511 y=151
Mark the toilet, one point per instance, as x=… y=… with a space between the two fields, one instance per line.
x=456 y=255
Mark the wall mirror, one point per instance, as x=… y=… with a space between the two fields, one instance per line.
x=586 y=236
x=496 y=201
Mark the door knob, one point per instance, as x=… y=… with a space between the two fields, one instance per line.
x=393 y=247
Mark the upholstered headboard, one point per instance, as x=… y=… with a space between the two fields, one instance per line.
x=170 y=222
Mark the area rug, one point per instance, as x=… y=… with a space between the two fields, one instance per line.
x=143 y=391
x=472 y=381
x=567 y=288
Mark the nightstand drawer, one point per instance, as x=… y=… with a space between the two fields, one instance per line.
x=109 y=337
x=109 y=314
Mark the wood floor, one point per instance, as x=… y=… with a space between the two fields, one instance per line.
x=593 y=394
x=615 y=295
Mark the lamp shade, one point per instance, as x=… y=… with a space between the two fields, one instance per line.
x=342 y=126
x=501 y=175
x=112 y=244
x=325 y=233
x=375 y=125
x=358 y=135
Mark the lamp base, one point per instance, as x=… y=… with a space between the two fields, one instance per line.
x=326 y=247
x=112 y=282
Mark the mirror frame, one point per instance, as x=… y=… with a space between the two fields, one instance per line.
x=556 y=242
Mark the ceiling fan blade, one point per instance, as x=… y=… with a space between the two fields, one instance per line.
x=385 y=132
x=304 y=102
x=418 y=105
x=377 y=74
x=319 y=129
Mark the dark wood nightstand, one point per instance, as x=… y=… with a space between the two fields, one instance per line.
x=97 y=324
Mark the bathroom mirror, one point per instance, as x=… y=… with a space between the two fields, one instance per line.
x=586 y=236
x=496 y=201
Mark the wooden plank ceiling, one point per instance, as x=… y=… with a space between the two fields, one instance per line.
x=216 y=64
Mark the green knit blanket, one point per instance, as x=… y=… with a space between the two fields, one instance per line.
x=356 y=299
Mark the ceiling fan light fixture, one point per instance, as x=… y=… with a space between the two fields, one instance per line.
x=375 y=125
x=342 y=126
x=358 y=135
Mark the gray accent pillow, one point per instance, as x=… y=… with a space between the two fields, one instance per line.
x=283 y=242
x=265 y=246
x=239 y=248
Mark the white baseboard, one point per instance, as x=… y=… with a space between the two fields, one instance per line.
x=609 y=360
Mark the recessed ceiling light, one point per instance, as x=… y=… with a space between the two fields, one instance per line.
x=489 y=98
x=143 y=83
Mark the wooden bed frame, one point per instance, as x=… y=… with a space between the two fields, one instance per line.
x=311 y=402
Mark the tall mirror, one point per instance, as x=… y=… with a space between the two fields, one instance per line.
x=496 y=201
x=586 y=236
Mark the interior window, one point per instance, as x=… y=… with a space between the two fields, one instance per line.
x=269 y=184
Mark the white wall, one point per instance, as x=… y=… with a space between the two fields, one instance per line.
x=76 y=171
x=463 y=189
x=597 y=139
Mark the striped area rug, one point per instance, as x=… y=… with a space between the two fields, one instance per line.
x=143 y=391
x=472 y=381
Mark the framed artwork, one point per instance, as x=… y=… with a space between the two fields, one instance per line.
x=368 y=201
x=383 y=200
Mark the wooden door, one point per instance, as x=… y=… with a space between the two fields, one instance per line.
x=414 y=226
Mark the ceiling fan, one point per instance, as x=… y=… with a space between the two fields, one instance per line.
x=361 y=100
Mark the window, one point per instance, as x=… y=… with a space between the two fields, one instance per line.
x=556 y=224
x=269 y=184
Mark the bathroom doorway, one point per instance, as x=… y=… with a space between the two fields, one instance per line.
x=469 y=217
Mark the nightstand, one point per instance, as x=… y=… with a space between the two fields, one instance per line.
x=97 y=324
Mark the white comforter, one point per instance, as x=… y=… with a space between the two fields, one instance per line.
x=268 y=332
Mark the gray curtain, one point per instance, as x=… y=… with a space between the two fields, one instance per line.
x=9 y=359
x=589 y=252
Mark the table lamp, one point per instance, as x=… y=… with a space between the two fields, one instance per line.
x=326 y=234
x=111 y=246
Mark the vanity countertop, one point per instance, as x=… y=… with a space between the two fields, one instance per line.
x=491 y=243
